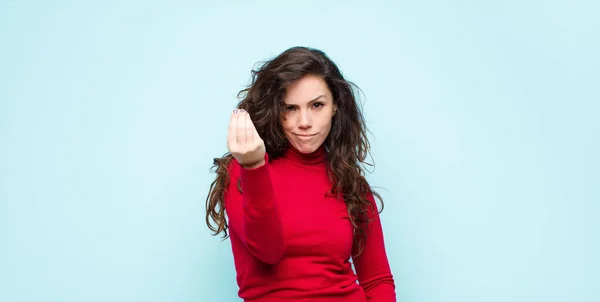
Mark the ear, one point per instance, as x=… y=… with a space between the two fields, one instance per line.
x=334 y=109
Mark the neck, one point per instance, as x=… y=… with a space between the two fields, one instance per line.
x=313 y=158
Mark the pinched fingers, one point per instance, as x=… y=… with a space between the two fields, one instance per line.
x=243 y=141
x=241 y=129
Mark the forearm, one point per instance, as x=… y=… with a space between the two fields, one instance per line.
x=261 y=218
x=372 y=264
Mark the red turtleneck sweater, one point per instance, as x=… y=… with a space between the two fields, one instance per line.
x=291 y=242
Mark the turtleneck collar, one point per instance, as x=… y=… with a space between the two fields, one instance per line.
x=314 y=158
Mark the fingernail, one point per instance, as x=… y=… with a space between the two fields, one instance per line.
x=235 y=111
x=242 y=110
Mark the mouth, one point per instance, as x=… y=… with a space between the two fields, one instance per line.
x=306 y=135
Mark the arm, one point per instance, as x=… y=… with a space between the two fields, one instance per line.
x=372 y=266
x=254 y=216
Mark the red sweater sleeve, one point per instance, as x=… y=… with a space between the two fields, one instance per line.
x=253 y=215
x=372 y=266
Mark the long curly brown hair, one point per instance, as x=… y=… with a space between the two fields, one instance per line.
x=347 y=144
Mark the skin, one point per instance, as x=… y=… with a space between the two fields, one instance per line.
x=306 y=122
x=243 y=141
x=308 y=113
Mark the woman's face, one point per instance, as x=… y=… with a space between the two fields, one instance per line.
x=308 y=111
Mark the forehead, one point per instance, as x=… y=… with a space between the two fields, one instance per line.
x=307 y=89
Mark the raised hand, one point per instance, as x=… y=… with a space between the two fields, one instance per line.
x=243 y=140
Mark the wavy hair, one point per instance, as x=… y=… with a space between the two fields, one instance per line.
x=347 y=144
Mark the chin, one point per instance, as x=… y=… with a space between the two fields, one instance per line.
x=305 y=148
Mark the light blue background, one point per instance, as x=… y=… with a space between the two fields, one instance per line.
x=484 y=121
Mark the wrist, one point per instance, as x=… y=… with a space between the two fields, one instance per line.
x=254 y=165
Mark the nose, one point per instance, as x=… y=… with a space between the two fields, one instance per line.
x=305 y=120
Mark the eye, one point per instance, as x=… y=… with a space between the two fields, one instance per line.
x=318 y=105
x=289 y=108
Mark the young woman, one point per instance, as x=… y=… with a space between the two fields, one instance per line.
x=292 y=192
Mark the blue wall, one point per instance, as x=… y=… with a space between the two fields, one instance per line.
x=484 y=121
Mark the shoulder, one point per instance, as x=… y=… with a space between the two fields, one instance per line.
x=234 y=168
x=372 y=197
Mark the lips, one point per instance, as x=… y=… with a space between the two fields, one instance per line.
x=305 y=137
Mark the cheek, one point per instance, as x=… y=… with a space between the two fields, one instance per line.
x=287 y=125
x=326 y=122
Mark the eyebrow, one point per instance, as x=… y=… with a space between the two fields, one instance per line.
x=312 y=101
x=315 y=99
